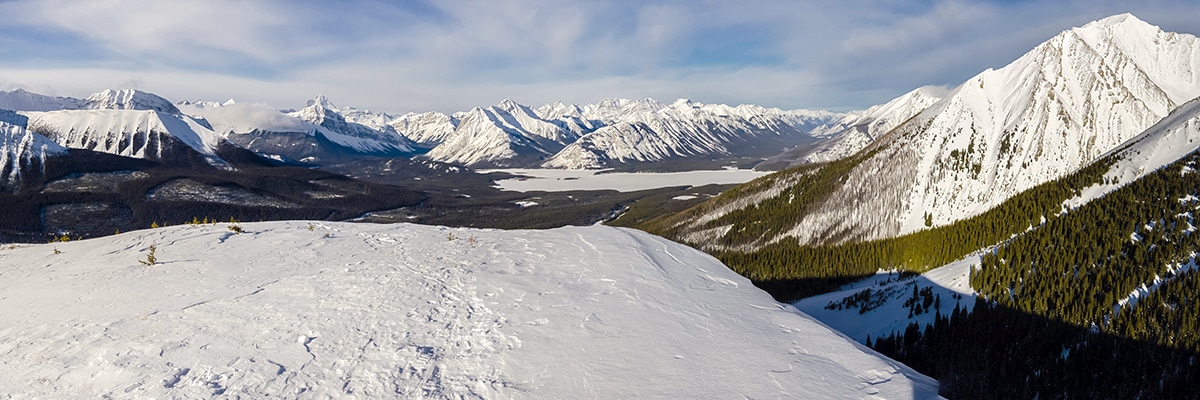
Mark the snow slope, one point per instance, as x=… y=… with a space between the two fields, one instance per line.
x=21 y=100
x=127 y=132
x=411 y=311
x=129 y=99
x=492 y=137
x=1175 y=136
x=425 y=129
x=21 y=150
x=361 y=138
x=854 y=132
x=886 y=313
x=1055 y=109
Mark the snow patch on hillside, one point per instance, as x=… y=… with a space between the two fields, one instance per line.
x=881 y=309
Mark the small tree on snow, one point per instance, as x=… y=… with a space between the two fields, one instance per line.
x=151 y=259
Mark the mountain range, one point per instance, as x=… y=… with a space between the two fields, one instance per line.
x=1052 y=111
x=610 y=133
x=1028 y=234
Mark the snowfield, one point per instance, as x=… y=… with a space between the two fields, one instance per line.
x=887 y=313
x=315 y=310
x=562 y=180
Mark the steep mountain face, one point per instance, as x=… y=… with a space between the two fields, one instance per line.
x=419 y=312
x=1107 y=284
x=569 y=117
x=551 y=135
x=130 y=123
x=1058 y=107
x=21 y=151
x=492 y=137
x=333 y=126
x=426 y=130
x=21 y=100
x=641 y=133
x=854 y=132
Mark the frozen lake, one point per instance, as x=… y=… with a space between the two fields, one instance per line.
x=558 y=180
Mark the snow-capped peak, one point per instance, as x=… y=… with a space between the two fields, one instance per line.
x=362 y=138
x=1114 y=20
x=129 y=99
x=322 y=102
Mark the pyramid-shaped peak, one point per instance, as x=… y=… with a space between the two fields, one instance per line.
x=129 y=99
x=321 y=101
x=1116 y=20
x=510 y=104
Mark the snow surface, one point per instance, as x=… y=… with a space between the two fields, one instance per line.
x=299 y=309
x=327 y=120
x=892 y=316
x=124 y=132
x=1167 y=141
x=20 y=148
x=1062 y=105
x=855 y=131
x=129 y=99
x=555 y=180
x=21 y=100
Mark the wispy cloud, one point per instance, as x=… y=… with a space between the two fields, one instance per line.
x=431 y=55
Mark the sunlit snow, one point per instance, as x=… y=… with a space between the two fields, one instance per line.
x=299 y=309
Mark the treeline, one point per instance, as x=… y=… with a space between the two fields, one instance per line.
x=1053 y=324
x=995 y=352
x=791 y=271
x=1079 y=267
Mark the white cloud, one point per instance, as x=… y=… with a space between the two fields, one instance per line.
x=454 y=55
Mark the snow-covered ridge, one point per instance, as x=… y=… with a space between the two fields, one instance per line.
x=411 y=311
x=1055 y=109
x=857 y=130
x=333 y=126
x=21 y=100
x=127 y=132
x=1174 y=137
x=648 y=131
x=129 y=99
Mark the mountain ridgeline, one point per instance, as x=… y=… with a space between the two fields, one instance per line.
x=1051 y=112
x=1070 y=174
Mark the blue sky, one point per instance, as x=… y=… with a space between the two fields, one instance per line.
x=415 y=55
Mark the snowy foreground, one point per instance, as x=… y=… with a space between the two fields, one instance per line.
x=344 y=310
x=562 y=180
